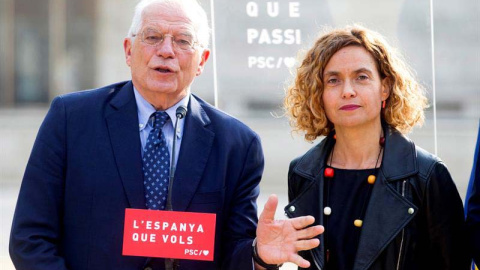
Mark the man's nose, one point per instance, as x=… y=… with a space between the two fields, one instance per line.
x=165 y=48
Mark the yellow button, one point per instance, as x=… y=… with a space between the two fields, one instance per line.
x=371 y=179
x=358 y=223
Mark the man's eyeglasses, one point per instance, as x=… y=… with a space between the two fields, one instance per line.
x=183 y=42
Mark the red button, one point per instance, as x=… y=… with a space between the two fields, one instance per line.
x=328 y=172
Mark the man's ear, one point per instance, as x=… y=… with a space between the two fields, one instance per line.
x=127 y=47
x=203 y=60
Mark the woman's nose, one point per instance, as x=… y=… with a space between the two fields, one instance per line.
x=348 y=90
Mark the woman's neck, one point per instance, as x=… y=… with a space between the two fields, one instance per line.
x=357 y=148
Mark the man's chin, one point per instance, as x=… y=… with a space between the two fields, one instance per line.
x=171 y=91
x=163 y=87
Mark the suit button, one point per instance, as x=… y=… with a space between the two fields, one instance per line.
x=291 y=208
x=148 y=268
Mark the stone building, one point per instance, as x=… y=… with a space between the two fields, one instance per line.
x=50 y=47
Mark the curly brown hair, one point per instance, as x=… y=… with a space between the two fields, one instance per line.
x=303 y=102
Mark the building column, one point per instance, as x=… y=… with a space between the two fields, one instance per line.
x=7 y=53
x=57 y=47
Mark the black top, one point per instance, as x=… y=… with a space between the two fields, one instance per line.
x=347 y=194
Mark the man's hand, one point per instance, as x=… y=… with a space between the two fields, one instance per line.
x=278 y=241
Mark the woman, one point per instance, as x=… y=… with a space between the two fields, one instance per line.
x=384 y=202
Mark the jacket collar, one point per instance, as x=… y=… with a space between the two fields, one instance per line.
x=399 y=157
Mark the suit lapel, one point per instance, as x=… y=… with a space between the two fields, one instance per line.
x=122 y=121
x=196 y=146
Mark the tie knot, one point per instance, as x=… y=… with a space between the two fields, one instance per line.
x=160 y=119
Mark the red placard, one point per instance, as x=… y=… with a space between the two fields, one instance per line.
x=169 y=234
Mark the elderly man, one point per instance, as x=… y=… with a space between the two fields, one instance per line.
x=91 y=161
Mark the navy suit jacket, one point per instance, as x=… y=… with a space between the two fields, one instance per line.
x=85 y=169
x=472 y=207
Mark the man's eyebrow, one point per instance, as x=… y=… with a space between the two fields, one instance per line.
x=189 y=34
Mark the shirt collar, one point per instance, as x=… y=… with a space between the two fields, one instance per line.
x=146 y=109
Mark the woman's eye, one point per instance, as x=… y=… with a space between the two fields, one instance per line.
x=332 y=81
x=362 y=77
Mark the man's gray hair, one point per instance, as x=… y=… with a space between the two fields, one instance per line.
x=194 y=11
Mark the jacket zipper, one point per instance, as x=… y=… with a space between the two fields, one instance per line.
x=403 y=230
x=315 y=261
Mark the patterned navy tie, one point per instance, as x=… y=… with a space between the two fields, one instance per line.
x=156 y=164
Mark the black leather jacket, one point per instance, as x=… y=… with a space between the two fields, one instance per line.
x=414 y=219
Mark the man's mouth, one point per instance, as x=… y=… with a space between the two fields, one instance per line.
x=163 y=70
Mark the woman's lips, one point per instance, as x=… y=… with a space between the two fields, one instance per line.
x=349 y=107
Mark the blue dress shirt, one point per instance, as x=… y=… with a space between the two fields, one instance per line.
x=145 y=121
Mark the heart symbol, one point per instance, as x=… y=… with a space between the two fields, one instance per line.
x=289 y=61
x=205 y=252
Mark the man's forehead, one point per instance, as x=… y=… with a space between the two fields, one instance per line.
x=167 y=25
x=161 y=15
